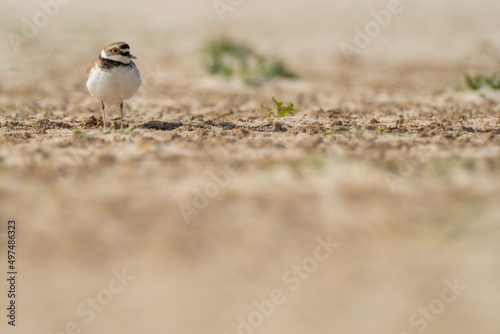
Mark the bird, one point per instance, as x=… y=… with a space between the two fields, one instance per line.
x=113 y=77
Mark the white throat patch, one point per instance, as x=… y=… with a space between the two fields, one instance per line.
x=118 y=58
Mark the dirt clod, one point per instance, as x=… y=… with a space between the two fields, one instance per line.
x=158 y=125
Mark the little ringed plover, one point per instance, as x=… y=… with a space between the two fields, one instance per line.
x=113 y=77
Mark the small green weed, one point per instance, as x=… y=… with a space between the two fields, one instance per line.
x=355 y=131
x=81 y=133
x=113 y=128
x=127 y=130
x=9 y=108
x=479 y=81
x=108 y=130
x=334 y=133
x=227 y=58
x=279 y=109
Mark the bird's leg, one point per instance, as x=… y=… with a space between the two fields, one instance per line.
x=103 y=114
x=121 y=115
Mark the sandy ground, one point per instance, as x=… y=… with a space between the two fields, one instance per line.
x=373 y=209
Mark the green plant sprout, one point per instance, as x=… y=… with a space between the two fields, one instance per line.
x=279 y=109
x=479 y=81
x=113 y=128
x=227 y=58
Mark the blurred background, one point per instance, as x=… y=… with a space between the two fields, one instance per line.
x=207 y=223
x=443 y=35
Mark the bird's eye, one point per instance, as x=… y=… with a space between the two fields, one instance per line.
x=115 y=50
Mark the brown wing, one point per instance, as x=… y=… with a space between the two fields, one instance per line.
x=91 y=66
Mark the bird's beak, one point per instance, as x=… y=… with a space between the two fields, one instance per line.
x=128 y=54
